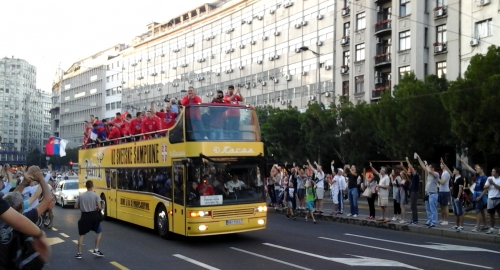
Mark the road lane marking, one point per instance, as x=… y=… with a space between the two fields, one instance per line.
x=65 y=235
x=435 y=246
x=54 y=240
x=360 y=261
x=119 y=266
x=206 y=266
x=54 y=229
x=271 y=259
x=407 y=253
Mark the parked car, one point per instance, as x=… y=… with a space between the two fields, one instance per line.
x=66 y=192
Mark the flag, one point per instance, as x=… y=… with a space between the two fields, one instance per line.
x=93 y=135
x=124 y=114
x=56 y=146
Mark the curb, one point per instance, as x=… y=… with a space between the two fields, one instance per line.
x=417 y=229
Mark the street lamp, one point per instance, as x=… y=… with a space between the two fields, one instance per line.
x=305 y=48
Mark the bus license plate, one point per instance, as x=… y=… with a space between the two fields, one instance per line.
x=234 y=221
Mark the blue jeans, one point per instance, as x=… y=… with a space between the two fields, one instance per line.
x=353 y=200
x=431 y=209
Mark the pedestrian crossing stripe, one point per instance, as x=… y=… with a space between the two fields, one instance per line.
x=54 y=240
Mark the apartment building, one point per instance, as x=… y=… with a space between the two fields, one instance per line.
x=289 y=52
x=24 y=110
x=81 y=92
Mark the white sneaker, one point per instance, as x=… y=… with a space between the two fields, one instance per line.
x=444 y=223
x=350 y=215
x=393 y=219
x=354 y=215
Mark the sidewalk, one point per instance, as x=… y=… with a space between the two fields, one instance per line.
x=439 y=230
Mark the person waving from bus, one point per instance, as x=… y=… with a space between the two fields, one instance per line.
x=149 y=125
x=194 y=125
x=233 y=115
x=167 y=118
x=136 y=126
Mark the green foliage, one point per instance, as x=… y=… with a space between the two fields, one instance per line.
x=414 y=119
x=472 y=103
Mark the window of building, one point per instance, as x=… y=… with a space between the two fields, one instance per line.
x=346 y=58
x=441 y=69
x=360 y=21
x=108 y=107
x=113 y=106
x=360 y=52
x=347 y=29
x=483 y=29
x=403 y=71
x=360 y=81
x=108 y=92
x=441 y=33
x=118 y=104
x=345 y=88
x=404 y=7
x=404 y=40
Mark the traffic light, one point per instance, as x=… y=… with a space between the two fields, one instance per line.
x=70 y=163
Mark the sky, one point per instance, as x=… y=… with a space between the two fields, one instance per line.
x=53 y=33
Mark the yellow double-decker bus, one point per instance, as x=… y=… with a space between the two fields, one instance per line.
x=201 y=178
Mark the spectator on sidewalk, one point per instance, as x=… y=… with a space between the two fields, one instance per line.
x=456 y=196
x=431 y=190
x=301 y=191
x=337 y=185
x=371 y=183
x=404 y=186
x=444 y=194
x=320 y=185
x=395 y=182
x=310 y=196
x=478 y=190
x=414 y=186
x=492 y=186
x=287 y=200
x=273 y=183
x=383 y=192
x=353 y=180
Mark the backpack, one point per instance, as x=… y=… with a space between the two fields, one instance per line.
x=17 y=251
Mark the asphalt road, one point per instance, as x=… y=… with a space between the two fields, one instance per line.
x=285 y=244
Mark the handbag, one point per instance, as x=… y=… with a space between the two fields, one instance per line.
x=367 y=193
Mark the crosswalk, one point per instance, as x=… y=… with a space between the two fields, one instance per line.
x=286 y=256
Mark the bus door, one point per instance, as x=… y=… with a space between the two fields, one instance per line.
x=178 y=189
x=111 y=183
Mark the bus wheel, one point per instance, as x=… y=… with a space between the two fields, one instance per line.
x=161 y=221
x=104 y=210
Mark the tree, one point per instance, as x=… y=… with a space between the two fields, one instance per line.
x=414 y=119
x=356 y=131
x=34 y=158
x=472 y=103
x=319 y=125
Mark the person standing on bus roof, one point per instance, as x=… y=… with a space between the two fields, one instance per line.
x=193 y=115
x=113 y=133
x=136 y=126
x=90 y=205
x=167 y=118
x=233 y=115
x=149 y=125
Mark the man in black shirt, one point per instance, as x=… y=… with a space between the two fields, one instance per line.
x=415 y=181
x=353 y=180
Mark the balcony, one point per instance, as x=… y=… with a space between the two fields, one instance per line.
x=440 y=12
x=382 y=26
x=377 y=92
x=344 y=70
x=382 y=59
x=440 y=47
x=345 y=41
x=346 y=11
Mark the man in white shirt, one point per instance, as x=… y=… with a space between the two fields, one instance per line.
x=320 y=185
x=337 y=183
x=444 y=194
x=235 y=183
x=492 y=186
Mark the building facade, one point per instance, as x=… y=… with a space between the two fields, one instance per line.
x=81 y=92
x=291 y=52
x=24 y=110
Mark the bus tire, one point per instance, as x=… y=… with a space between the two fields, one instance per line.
x=161 y=222
x=104 y=209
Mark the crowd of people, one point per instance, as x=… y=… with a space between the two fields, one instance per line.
x=152 y=123
x=303 y=188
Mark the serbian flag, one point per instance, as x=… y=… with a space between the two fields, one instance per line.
x=56 y=146
x=124 y=114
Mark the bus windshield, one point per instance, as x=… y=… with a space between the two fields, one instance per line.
x=224 y=181
x=216 y=122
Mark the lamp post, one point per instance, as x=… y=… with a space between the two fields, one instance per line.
x=318 y=91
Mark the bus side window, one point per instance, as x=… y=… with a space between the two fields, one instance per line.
x=114 y=178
